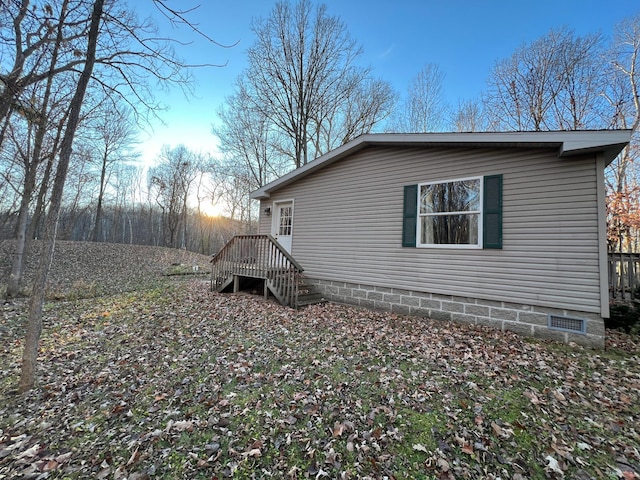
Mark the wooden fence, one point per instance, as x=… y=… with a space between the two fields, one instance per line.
x=624 y=276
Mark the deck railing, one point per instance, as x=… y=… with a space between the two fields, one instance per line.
x=624 y=276
x=257 y=256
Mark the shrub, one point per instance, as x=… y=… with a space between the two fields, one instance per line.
x=625 y=317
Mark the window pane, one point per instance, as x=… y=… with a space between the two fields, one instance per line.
x=462 y=196
x=449 y=229
x=285 y=221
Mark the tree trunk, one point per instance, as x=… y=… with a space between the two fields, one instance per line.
x=38 y=213
x=31 y=170
x=34 y=327
x=15 y=277
x=97 y=230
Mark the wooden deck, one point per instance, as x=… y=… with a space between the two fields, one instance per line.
x=257 y=256
x=624 y=276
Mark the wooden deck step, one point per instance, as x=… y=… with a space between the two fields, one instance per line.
x=307 y=294
x=306 y=299
x=257 y=257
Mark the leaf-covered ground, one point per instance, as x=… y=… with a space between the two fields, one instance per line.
x=88 y=269
x=179 y=382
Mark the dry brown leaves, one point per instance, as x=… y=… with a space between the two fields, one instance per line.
x=180 y=382
x=88 y=269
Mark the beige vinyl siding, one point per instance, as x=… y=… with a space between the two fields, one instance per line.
x=348 y=225
x=264 y=222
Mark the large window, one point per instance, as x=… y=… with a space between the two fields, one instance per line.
x=450 y=212
x=453 y=213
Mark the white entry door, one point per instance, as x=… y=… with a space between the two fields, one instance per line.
x=282 y=226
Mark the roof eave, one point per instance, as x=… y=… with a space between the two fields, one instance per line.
x=568 y=143
x=320 y=162
x=610 y=146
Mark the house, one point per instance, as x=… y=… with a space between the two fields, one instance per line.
x=499 y=229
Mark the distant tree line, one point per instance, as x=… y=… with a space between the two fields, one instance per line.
x=118 y=201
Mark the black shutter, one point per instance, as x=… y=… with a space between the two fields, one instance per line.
x=410 y=215
x=492 y=212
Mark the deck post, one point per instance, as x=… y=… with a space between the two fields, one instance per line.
x=622 y=279
x=266 y=290
x=236 y=283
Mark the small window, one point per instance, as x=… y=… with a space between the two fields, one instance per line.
x=450 y=213
x=286 y=217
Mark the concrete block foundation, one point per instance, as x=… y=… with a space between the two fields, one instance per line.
x=528 y=320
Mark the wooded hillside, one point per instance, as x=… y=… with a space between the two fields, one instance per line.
x=87 y=269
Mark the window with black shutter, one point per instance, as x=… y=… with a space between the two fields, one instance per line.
x=454 y=213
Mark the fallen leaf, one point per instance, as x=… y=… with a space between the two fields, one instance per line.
x=183 y=425
x=443 y=465
x=256 y=452
x=30 y=452
x=532 y=397
x=420 y=448
x=50 y=465
x=553 y=465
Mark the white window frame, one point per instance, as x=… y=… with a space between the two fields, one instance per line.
x=478 y=212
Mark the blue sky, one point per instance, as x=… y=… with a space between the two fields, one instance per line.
x=464 y=37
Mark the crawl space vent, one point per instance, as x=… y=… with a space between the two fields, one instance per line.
x=568 y=324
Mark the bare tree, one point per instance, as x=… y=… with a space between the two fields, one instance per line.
x=623 y=95
x=40 y=53
x=173 y=180
x=469 y=117
x=80 y=189
x=32 y=152
x=550 y=84
x=566 y=82
x=125 y=191
x=129 y=53
x=302 y=95
x=205 y=194
x=248 y=140
x=31 y=36
x=114 y=133
x=578 y=102
x=121 y=56
x=301 y=66
x=11 y=178
x=234 y=185
x=367 y=102
x=424 y=108
x=36 y=302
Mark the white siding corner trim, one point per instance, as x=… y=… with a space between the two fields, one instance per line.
x=602 y=237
